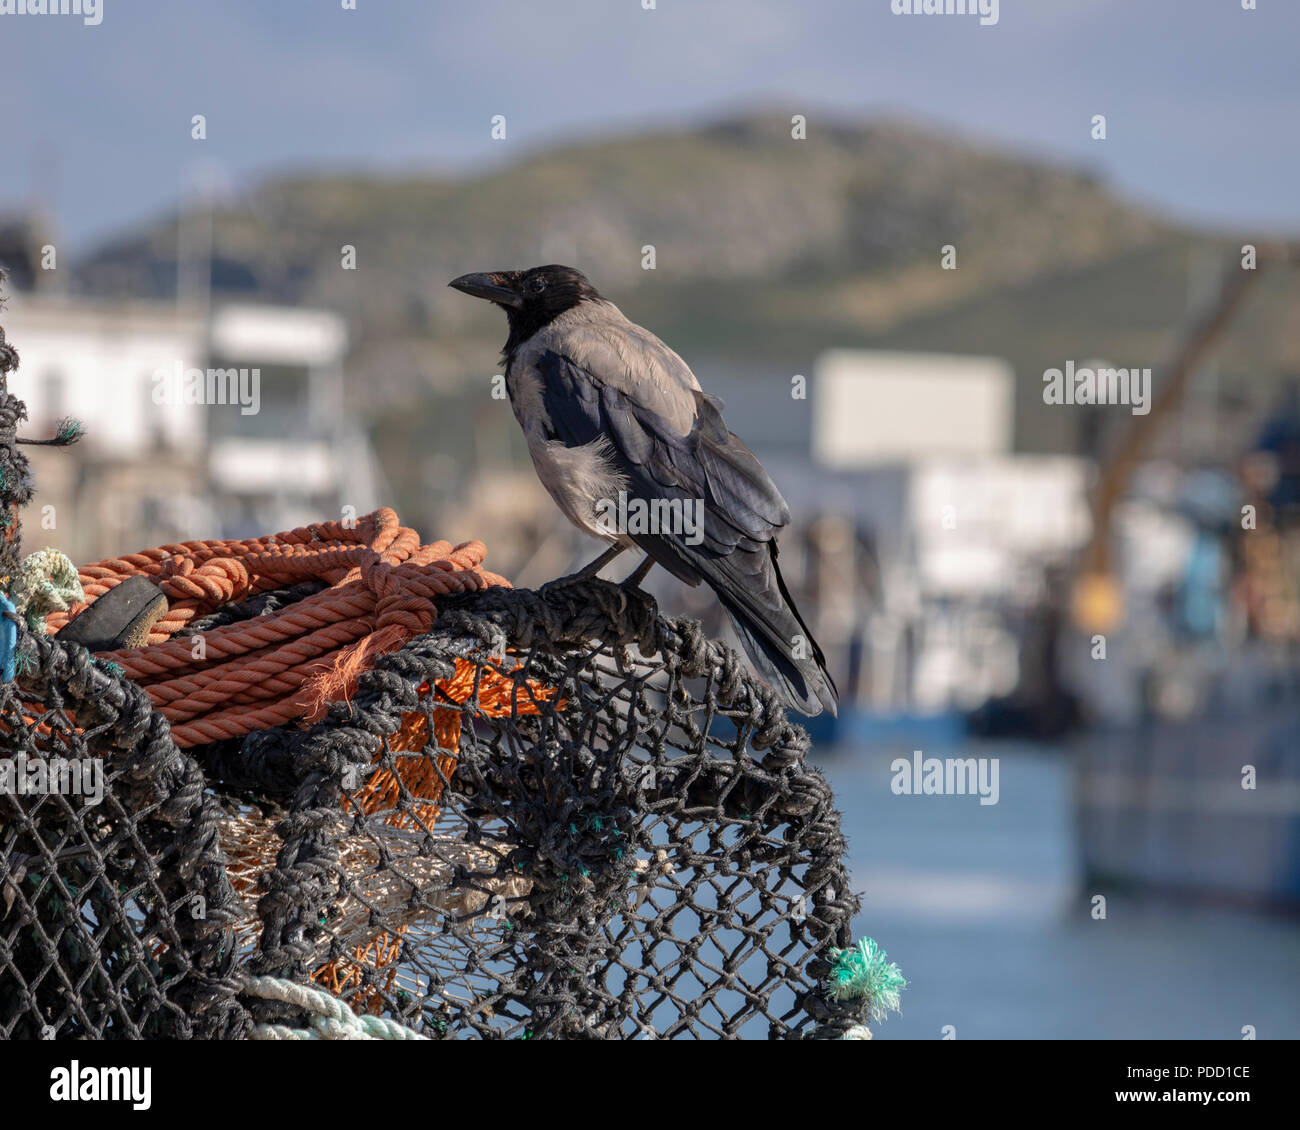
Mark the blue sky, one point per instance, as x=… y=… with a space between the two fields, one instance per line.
x=1202 y=97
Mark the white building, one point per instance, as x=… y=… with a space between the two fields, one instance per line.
x=870 y=407
x=158 y=464
x=912 y=457
x=96 y=361
x=298 y=459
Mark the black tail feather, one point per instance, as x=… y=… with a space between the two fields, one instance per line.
x=802 y=690
x=750 y=587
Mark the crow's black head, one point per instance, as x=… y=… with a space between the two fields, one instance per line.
x=532 y=298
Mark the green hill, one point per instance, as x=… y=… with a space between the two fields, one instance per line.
x=739 y=202
x=768 y=250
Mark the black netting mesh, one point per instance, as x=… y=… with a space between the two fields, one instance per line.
x=645 y=855
x=557 y=814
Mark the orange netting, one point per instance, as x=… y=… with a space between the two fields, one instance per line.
x=497 y=697
x=289 y=664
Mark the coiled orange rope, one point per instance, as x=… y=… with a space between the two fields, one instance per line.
x=289 y=664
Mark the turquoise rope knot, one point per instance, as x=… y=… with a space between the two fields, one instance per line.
x=8 y=638
x=865 y=973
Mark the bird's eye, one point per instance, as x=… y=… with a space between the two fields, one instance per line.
x=537 y=284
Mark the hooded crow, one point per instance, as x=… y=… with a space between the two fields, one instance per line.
x=609 y=411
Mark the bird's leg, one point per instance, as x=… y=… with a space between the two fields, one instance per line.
x=588 y=571
x=637 y=575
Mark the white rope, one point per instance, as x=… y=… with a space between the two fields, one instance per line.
x=331 y=1018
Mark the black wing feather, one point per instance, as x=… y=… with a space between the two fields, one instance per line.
x=743 y=511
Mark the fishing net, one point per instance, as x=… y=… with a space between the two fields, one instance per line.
x=546 y=814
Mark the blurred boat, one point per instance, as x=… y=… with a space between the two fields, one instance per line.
x=1207 y=806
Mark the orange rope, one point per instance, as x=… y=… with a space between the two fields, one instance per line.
x=293 y=663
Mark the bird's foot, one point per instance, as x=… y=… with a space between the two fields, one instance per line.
x=632 y=582
x=593 y=568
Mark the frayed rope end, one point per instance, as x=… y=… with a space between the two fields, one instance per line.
x=864 y=973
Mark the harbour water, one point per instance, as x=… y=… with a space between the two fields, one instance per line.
x=984 y=909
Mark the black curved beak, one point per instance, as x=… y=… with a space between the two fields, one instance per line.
x=492 y=287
